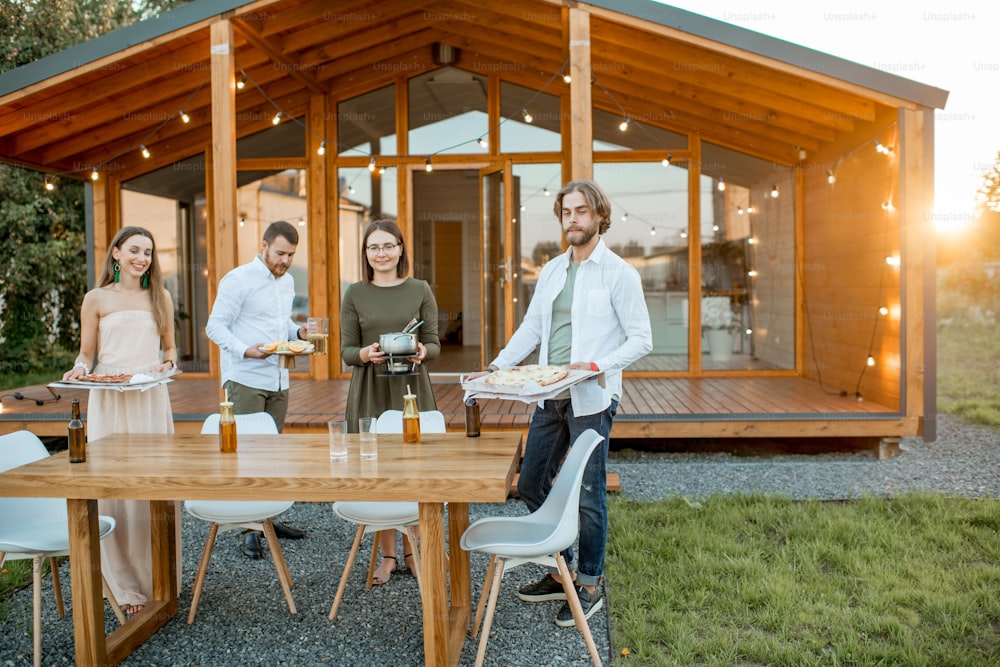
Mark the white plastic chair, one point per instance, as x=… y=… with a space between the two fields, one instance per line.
x=372 y=517
x=38 y=528
x=226 y=515
x=539 y=537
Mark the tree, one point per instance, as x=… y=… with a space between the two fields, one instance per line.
x=987 y=223
x=43 y=258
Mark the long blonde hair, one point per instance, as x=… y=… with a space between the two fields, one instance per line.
x=155 y=277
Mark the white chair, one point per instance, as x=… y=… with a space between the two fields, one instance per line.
x=371 y=517
x=38 y=528
x=226 y=515
x=539 y=537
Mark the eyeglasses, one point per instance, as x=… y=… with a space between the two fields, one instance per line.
x=387 y=248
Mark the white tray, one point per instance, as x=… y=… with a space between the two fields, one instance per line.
x=529 y=393
x=139 y=382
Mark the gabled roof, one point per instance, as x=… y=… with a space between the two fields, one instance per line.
x=96 y=102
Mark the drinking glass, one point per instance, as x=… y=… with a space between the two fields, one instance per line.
x=318 y=333
x=367 y=427
x=338 y=439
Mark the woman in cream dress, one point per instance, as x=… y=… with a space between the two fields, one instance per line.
x=127 y=326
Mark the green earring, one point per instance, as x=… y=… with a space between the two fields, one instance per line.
x=144 y=281
x=118 y=269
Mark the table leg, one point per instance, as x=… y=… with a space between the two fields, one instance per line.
x=433 y=587
x=88 y=598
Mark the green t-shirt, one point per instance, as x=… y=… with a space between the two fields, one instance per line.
x=561 y=335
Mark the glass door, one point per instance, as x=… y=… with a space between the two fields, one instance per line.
x=495 y=267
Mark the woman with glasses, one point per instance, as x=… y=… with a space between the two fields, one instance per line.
x=385 y=301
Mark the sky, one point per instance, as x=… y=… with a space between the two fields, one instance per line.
x=948 y=45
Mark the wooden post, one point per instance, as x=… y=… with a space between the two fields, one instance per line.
x=581 y=158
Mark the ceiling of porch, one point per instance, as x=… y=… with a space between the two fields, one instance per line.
x=100 y=112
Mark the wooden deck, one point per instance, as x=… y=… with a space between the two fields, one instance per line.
x=772 y=407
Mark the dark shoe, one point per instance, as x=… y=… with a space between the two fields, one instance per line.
x=546 y=588
x=251 y=544
x=289 y=533
x=590 y=602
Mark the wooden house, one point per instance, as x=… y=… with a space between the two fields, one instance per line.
x=776 y=200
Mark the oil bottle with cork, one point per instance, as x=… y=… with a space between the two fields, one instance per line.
x=411 y=417
x=227 y=427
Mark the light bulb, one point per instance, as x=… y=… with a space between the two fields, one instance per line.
x=322 y=148
x=94 y=175
x=749 y=209
x=752 y=273
x=483 y=143
x=277 y=118
x=830 y=177
x=371 y=164
x=624 y=217
x=871 y=360
x=715 y=228
x=721 y=185
x=49 y=185
x=739 y=210
x=684 y=233
x=623 y=126
x=184 y=117
x=883 y=311
x=427 y=165
x=528 y=118
x=350 y=189
x=241 y=84
x=774 y=192
x=652 y=231
x=567 y=78
x=144 y=151
x=545 y=191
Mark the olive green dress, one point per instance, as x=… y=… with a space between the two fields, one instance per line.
x=367 y=312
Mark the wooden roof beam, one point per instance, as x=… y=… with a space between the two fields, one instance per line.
x=279 y=58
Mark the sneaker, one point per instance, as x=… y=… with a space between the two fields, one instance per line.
x=590 y=602
x=546 y=588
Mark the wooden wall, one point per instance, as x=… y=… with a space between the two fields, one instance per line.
x=846 y=235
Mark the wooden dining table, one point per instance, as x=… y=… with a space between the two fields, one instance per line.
x=443 y=469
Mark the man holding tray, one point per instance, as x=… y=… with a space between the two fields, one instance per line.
x=252 y=308
x=588 y=313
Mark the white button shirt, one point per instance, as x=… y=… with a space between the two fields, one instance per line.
x=609 y=318
x=252 y=307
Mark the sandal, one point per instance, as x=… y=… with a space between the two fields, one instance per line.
x=132 y=609
x=377 y=579
x=409 y=568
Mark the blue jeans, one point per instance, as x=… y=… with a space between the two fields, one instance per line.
x=553 y=430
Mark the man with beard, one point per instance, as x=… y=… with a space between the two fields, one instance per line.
x=253 y=307
x=588 y=312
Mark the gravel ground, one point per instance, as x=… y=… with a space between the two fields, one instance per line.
x=242 y=618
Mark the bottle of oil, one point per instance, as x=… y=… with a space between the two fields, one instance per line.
x=411 y=418
x=227 y=428
x=77 y=438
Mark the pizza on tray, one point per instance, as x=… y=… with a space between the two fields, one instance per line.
x=101 y=378
x=520 y=376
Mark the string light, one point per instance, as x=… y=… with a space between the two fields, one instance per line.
x=322 y=148
x=623 y=126
x=241 y=84
x=566 y=77
x=802 y=155
x=666 y=161
x=528 y=118
x=652 y=230
x=715 y=228
x=749 y=209
x=625 y=217
x=483 y=143
x=144 y=151
x=94 y=175
x=277 y=118
x=752 y=273
x=882 y=148
x=722 y=185
x=371 y=164
x=184 y=117
x=831 y=178
x=751 y=240
x=883 y=311
x=684 y=233
x=427 y=165
x=49 y=185
x=739 y=210
x=546 y=192
x=887 y=206
x=774 y=192
x=871 y=360
x=892 y=260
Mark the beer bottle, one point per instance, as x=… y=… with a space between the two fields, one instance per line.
x=77 y=438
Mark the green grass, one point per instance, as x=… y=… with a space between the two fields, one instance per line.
x=16 y=381
x=753 y=580
x=969 y=371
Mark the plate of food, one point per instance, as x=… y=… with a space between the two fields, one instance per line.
x=118 y=381
x=288 y=347
x=530 y=382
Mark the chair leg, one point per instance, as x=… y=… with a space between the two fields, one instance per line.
x=574 y=604
x=411 y=534
x=279 y=563
x=483 y=595
x=113 y=601
x=199 y=579
x=371 y=561
x=490 y=608
x=56 y=586
x=347 y=571
x=36 y=612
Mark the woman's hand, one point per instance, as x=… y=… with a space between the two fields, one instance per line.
x=421 y=354
x=78 y=370
x=372 y=354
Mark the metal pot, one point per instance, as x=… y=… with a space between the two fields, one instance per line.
x=398 y=344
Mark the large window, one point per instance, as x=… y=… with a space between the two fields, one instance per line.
x=366 y=124
x=649 y=229
x=531 y=120
x=448 y=112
